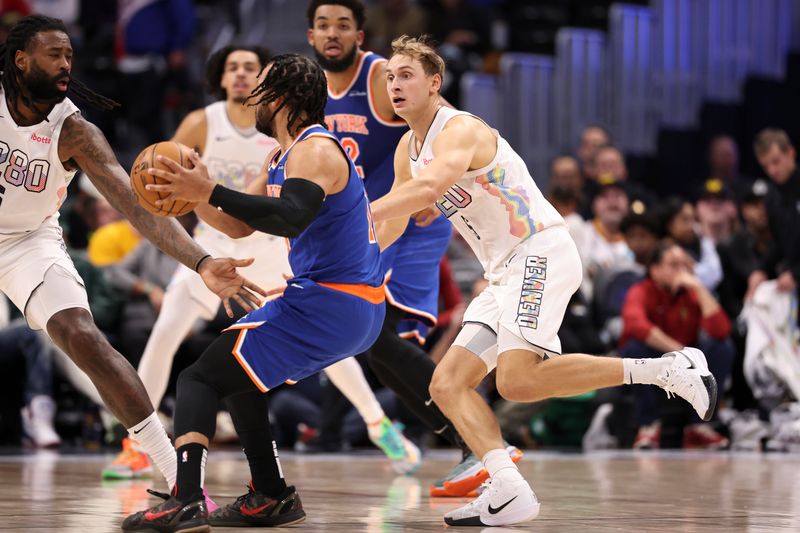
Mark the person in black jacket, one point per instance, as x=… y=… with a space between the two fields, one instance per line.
x=777 y=156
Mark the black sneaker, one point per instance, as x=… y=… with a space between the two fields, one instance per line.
x=255 y=509
x=171 y=516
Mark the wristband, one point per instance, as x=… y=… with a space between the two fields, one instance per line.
x=200 y=262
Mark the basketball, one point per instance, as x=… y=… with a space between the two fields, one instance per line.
x=140 y=178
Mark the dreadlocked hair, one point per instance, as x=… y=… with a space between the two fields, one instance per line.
x=301 y=83
x=215 y=66
x=19 y=38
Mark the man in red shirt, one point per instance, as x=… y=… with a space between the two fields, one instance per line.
x=666 y=311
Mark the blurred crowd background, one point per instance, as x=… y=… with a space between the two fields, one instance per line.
x=664 y=132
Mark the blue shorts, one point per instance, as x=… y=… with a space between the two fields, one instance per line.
x=308 y=329
x=414 y=259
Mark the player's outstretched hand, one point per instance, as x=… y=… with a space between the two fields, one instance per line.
x=187 y=184
x=220 y=275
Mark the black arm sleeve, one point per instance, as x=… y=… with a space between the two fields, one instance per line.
x=285 y=216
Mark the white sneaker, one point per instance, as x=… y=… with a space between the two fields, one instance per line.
x=502 y=503
x=688 y=377
x=37 y=422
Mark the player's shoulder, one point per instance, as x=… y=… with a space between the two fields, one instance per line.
x=196 y=118
x=318 y=147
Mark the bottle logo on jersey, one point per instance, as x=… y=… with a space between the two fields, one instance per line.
x=40 y=139
x=514 y=200
x=530 y=299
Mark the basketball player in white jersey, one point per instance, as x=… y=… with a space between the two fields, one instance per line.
x=476 y=179
x=225 y=135
x=43 y=141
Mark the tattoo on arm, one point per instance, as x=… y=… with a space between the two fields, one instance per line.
x=84 y=143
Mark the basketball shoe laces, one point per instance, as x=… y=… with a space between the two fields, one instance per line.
x=677 y=382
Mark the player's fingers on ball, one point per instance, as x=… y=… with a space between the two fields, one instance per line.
x=158 y=188
x=169 y=163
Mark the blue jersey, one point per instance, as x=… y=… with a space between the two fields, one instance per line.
x=370 y=140
x=339 y=245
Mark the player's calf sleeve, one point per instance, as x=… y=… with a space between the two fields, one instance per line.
x=250 y=414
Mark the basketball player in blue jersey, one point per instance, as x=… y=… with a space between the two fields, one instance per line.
x=315 y=198
x=359 y=112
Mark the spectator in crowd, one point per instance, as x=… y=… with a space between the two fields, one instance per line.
x=678 y=224
x=38 y=413
x=778 y=158
x=604 y=246
x=565 y=171
x=566 y=201
x=723 y=165
x=641 y=234
x=666 y=311
x=389 y=19
x=717 y=215
x=593 y=137
x=152 y=50
x=750 y=248
x=610 y=162
x=464 y=35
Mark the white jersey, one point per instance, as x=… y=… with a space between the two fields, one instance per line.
x=496 y=207
x=234 y=157
x=34 y=182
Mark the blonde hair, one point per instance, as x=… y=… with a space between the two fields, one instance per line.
x=769 y=137
x=421 y=50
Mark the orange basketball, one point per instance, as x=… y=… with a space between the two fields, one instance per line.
x=140 y=177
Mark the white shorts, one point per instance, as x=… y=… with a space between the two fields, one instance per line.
x=38 y=276
x=271 y=262
x=524 y=309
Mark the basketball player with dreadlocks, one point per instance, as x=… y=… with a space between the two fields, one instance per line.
x=315 y=198
x=359 y=112
x=44 y=140
x=225 y=136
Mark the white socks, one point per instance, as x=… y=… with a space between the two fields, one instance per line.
x=151 y=437
x=644 y=371
x=498 y=463
x=348 y=377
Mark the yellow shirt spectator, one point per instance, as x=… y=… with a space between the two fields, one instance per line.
x=112 y=242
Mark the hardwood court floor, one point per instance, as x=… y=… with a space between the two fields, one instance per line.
x=622 y=491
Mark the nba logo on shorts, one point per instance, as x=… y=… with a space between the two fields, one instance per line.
x=185 y=457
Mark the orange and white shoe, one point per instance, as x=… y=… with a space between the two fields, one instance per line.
x=466 y=478
x=131 y=463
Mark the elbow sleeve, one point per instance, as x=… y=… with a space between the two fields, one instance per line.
x=285 y=216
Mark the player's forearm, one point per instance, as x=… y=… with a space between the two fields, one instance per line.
x=166 y=233
x=223 y=222
x=403 y=201
x=388 y=231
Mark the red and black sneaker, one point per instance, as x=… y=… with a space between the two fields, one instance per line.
x=171 y=516
x=255 y=509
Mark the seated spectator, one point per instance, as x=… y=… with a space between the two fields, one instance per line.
x=668 y=310
x=778 y=157
x=565 y=171
x=566 y=200
x=38 y=413
x=641 y=234
x=723 y=165
x=609 y=164
x=678 y=223
x=593 y=137
x=143 y=276
x=604 y=246
x=717 y=215
x=113 y=240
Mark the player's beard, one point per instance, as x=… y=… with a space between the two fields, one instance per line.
x=265 y=121
x=337 y=65
x=43 y=88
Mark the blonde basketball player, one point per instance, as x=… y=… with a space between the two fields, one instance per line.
x=43 y=141
x=476 y=179
x=225 y=134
